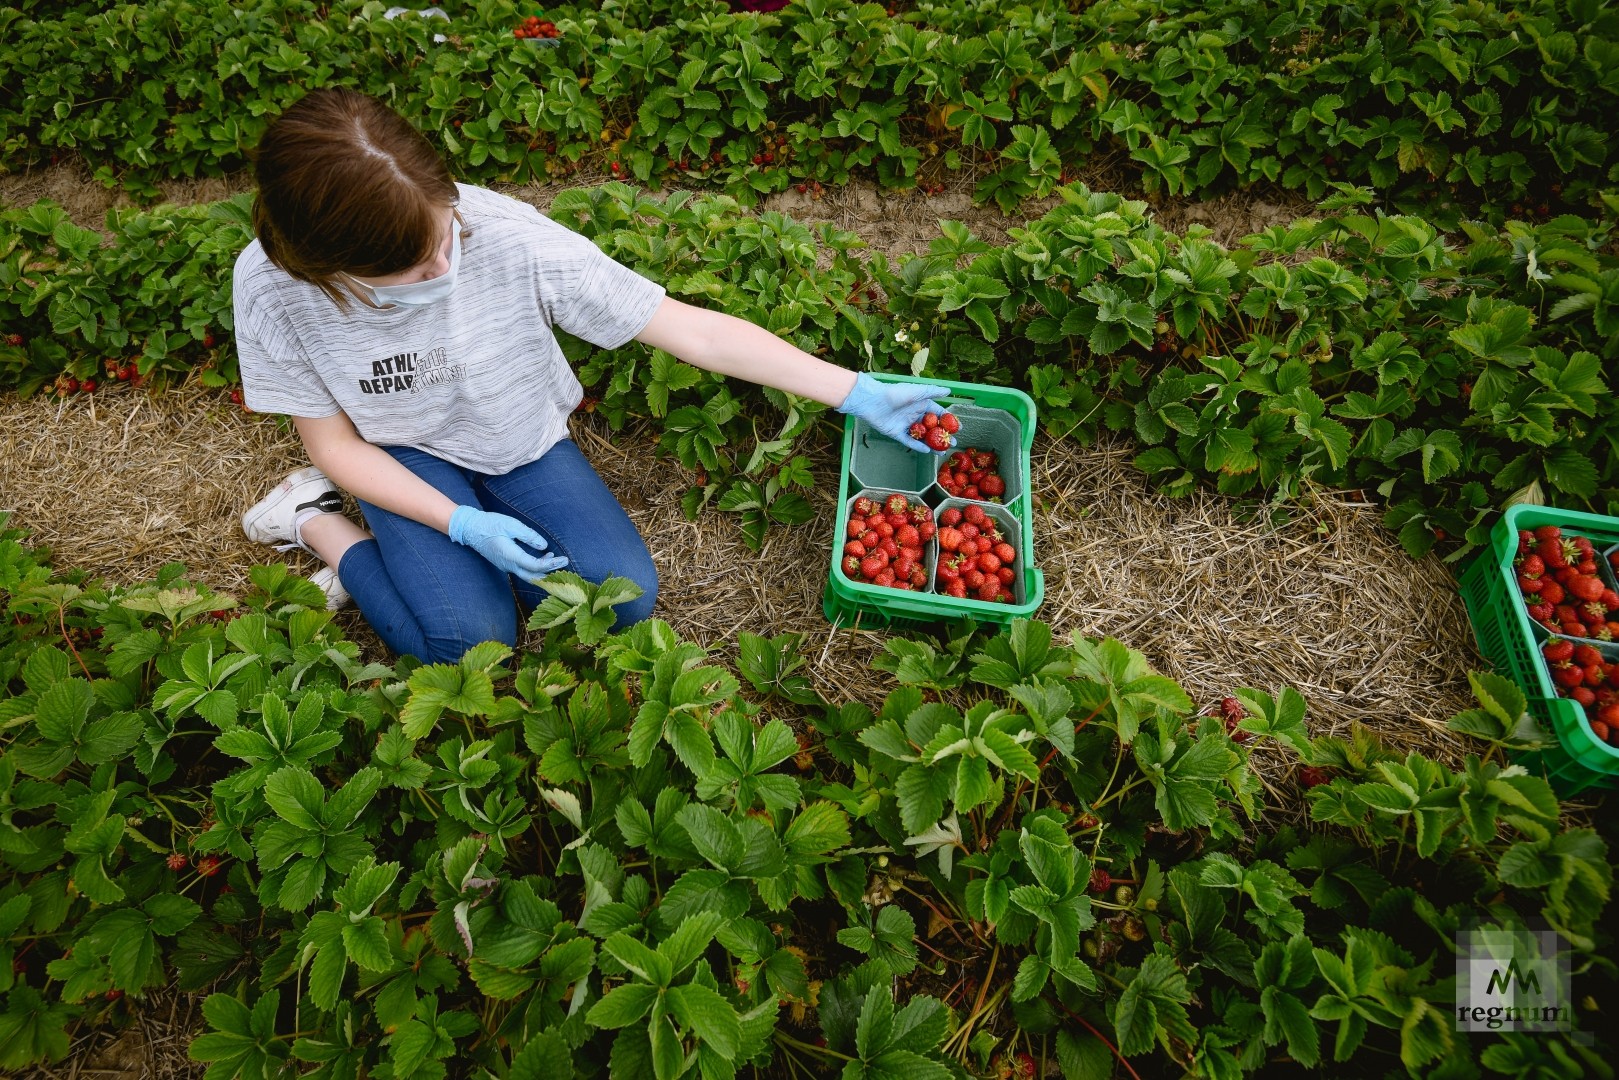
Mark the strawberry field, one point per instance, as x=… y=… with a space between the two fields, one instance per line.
x=1022 y=852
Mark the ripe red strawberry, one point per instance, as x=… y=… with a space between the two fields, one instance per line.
x=988 y=562
x=973 y=577
x=1528 y=585
x=14 y=340
x=956 y=588
x=1005 y=552
x=919 y=431
x=1583 y=694
x=1532 y=566
x=208 y=865
x=952 y=516
x=873 y=564
x=1006 y=575
x=1101 y=880
x=1231 y=710
x=950 y=539
x=895 y=504
x=1567 y=675
x=930 y=420
x=1558 y=650
x=1586 y=655
x=1585 y=588
x=1314 y=776
x=950 y=422
x=863 y=507
x=1548 y=533
x=907 y=536
x=1609 y=714
x=990 y=589
x=1551 y=592
x=926 y=530
x=992 y=487
x=885 y=578
x=938 y=439
x=851 y=565
x=176 y=861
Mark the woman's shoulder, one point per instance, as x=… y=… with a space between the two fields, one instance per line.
x=479 y=202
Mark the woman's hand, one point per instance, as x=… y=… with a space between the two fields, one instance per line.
x=499 y=539
x=892 y=408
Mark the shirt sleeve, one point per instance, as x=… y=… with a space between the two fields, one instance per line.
x=276 y=376
x=607 y=303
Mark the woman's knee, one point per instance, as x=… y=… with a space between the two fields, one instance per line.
x=633 y=611
x=465 y=627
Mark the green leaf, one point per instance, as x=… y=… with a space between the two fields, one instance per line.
x=296 y=797
x=714 y=836
x=622 y=1006
x=703 y=1011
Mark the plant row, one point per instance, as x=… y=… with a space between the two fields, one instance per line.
x=1439 y=105
x=1355 y=351
x=614 y=856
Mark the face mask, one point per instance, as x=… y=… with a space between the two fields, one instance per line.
x=420 y=293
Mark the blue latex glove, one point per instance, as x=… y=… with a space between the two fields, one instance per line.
x=892 y=408
x=499 y=539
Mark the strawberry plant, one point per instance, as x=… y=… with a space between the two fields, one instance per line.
x=1028 y=848
x=1446 y=111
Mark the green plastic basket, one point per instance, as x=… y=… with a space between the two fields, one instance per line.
x=1510 y=641
x=996 y=411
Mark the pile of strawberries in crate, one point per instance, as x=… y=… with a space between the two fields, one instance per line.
x=972 y=474
x=976 y=556
x=885 y=539
x=1561 y=584
x=1583 y=674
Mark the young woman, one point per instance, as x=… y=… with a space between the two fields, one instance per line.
x=404 y=321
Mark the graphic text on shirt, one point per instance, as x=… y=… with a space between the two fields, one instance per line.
x=412 y=372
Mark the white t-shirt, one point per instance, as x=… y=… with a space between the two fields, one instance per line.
x=477 y=378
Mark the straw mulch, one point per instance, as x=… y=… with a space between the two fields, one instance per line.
x=121 y=483
x=152 y=1043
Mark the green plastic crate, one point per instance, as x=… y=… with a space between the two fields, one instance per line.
x=850 y=603
x=1511 y=641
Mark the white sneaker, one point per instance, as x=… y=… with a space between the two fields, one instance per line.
x=274 y=518
x=337 y=597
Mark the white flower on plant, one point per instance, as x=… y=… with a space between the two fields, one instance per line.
x=901 y=337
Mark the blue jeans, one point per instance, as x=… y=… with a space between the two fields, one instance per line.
x=430 y=597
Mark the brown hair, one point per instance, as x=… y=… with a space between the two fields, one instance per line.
x=346 y=185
